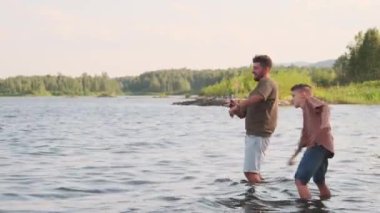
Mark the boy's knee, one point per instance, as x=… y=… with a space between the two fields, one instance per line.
x=300 y=182
x=319 y=180
x=302 y=177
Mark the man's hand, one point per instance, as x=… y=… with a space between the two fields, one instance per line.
x=231 y=113
x=231 y=103
x=233 y=110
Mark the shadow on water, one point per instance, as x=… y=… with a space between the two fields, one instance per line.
x=250 y=201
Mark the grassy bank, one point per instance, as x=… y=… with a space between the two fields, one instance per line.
x=240 y=86
x=359 y=93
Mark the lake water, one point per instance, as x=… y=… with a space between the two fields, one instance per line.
x=139 y=154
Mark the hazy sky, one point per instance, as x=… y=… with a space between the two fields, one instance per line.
x=130 y=37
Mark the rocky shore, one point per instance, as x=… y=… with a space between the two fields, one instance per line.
x=202 y=101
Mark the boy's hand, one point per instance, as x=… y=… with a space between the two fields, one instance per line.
x=292 y=161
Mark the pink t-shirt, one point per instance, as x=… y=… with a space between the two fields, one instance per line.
x=316 y=125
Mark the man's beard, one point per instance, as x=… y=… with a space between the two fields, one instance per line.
x=257 y=78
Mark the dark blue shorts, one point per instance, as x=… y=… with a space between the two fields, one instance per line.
x=314 y=164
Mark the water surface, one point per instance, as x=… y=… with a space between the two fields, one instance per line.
x=139 y=154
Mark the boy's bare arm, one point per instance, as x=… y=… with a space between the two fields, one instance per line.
x=301 y=143
x=292 y=158
x=325 y=117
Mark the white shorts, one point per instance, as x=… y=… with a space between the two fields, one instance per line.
x=255 y=147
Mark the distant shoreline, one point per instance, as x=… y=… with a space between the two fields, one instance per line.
x=191 y=100
x=215 y=101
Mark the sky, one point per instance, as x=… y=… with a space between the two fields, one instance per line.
x=129 y=37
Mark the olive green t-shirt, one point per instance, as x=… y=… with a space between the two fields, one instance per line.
x=261 y=117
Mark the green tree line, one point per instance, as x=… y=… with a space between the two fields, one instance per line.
x=60 y=85
x=355 y=74
x=361 y=62
x=174 y=81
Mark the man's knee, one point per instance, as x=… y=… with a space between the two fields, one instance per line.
x=253 y=177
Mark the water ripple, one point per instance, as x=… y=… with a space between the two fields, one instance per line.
x=139 y=154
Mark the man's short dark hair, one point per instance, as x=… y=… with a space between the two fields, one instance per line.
x=300 y=87
x=263 y=60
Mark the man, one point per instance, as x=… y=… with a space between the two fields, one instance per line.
x=316 y=136
x=260 y=113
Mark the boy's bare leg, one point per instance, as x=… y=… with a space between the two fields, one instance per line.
x=324 y=191
x=303 y=190
x=253 y=177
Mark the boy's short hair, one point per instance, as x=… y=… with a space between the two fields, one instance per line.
x=300 y=87
x=263 y=60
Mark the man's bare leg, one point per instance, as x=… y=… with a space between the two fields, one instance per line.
x=303 y=190
x=253 y=177
x=324 y=191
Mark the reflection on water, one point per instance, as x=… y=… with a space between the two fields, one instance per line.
x=137 y=154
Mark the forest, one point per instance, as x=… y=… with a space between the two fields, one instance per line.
x=354 y=78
